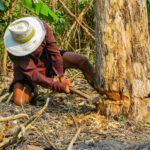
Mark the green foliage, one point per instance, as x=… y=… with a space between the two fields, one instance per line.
x=40 y=9
x=60 y=23
x=148 y=11
x=121 y=118
x=148 y=6
x=4 y=16
x=30 y=8
x=2 y=7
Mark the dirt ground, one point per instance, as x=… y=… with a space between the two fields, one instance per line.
x=62 y=118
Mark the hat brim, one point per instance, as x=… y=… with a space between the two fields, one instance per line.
x=18 y=49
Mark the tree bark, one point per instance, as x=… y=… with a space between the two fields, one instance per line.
x=122 y=47
x=122 y=55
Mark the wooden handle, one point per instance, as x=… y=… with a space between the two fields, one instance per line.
x=80 y=93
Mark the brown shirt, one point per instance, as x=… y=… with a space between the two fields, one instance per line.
x=40 y=66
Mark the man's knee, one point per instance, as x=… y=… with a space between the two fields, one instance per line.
x=83 y=62
x=21 y=94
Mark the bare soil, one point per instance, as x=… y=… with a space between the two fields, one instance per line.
x=64 y=115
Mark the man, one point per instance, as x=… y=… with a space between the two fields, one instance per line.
x=32 y=48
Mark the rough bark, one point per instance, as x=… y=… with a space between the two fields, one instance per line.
x=138 y=109
x=122 y=60
x=123 y=57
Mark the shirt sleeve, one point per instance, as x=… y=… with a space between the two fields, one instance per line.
x=29 y=69
x=57 y=60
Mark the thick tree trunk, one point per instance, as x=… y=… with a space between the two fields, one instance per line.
x=122 y=48
x=123 y=62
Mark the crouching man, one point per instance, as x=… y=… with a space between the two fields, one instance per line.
x=32 y=48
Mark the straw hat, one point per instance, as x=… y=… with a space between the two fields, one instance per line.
x=24 y=36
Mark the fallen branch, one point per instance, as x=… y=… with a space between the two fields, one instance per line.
x=14 y=139
x=14 y=117
x=70 y=146
x=71 y=14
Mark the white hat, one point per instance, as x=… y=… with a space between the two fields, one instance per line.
x=24 y=36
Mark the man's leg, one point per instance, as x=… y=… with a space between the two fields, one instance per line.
x=21 y=94
x=77 y=61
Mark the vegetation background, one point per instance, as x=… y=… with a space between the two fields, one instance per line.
x=69 y=34
x=72 y=22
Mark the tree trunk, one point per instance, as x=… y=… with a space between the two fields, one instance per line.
x=122 y=49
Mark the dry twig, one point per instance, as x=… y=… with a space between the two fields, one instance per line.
x=76 y=124
x=14 y=117
x=80 y=18
x=80 y=93
x=46 y=138
x=71 y=14
x=9 y=98
x=4 y=96
x=70 y=146
x=14 y=139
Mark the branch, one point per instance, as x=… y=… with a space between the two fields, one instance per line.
x=14 y=117
x=9 y=98
x=4 y=96
x=71 y=14
x=80 y=93
x=70 y=146
x=14 y=139
x=80 y=18
x=46 y=138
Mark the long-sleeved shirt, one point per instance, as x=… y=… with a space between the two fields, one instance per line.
x=40 y=66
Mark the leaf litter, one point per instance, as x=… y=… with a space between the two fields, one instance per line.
x=63 y=116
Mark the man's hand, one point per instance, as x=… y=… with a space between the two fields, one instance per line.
x=66 y=82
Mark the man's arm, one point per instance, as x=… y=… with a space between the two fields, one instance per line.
x=57 y=60
x=29 y=69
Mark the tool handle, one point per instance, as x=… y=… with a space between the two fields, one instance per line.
x=80 y=93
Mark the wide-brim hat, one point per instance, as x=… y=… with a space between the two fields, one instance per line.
x=37 y=35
